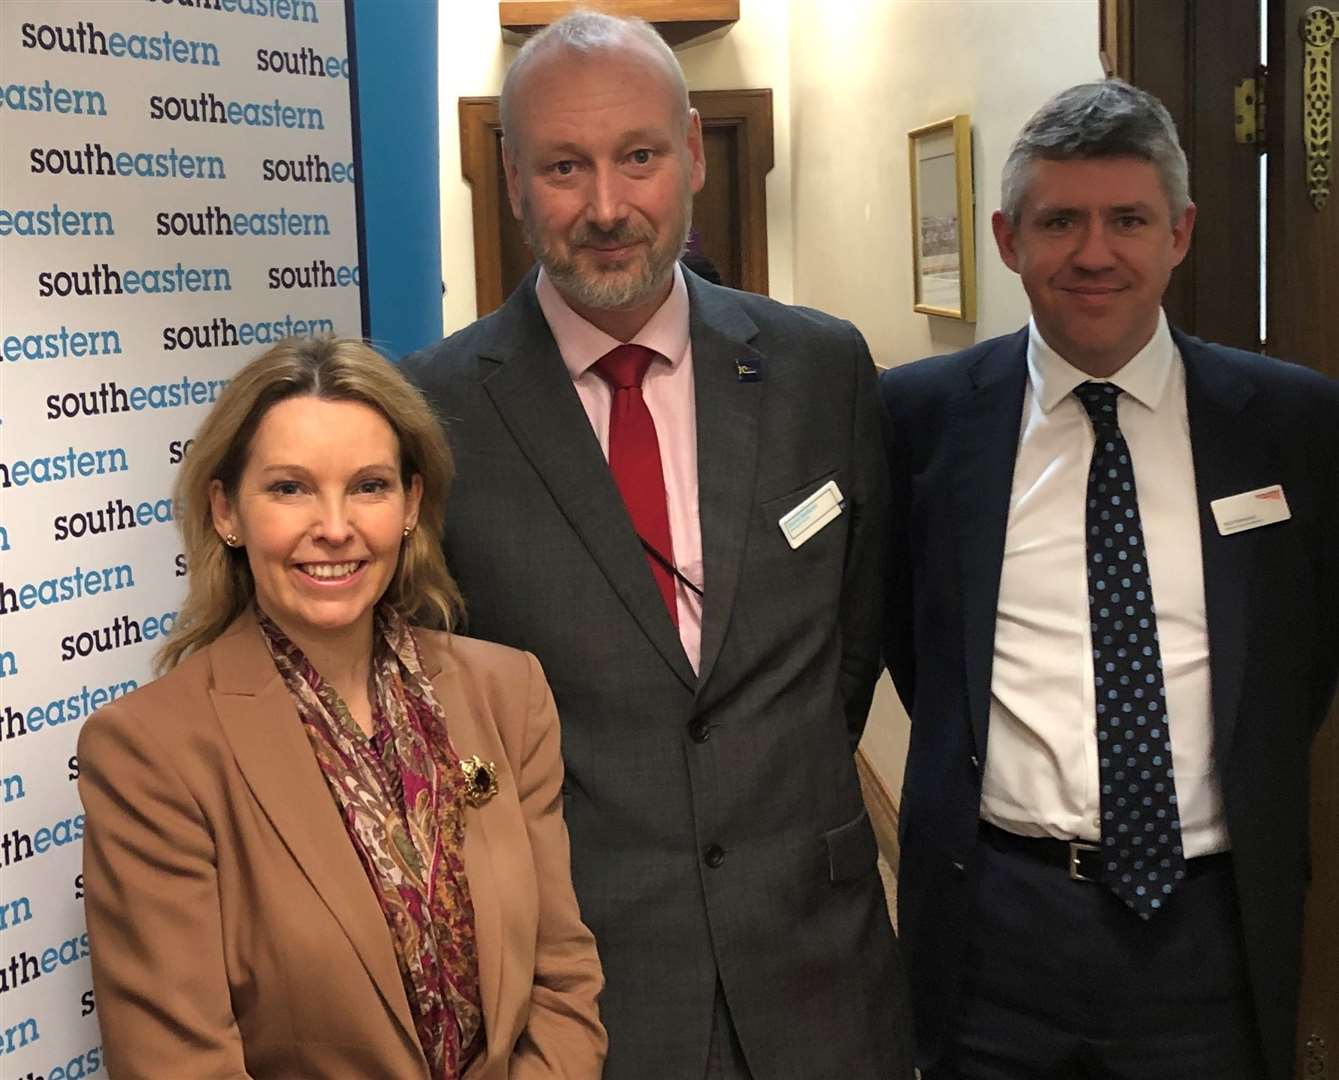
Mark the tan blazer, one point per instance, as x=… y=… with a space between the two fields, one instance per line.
x=234 y=932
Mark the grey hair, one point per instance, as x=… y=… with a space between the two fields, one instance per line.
x=587 y=32
x=1098 y=120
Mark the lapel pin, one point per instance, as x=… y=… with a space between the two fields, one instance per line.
x=748 y=369
x=480 y=780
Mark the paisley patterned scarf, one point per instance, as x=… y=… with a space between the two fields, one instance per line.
x=402 y=796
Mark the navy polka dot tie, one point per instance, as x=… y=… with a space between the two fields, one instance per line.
x=1141 y=832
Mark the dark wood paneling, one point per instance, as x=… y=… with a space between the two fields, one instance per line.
x=1224 y=176
x=748 y=115
x=1161 y=62
x=480 y=164
x=514 y=252
x=716 y=206
x=1303 y=304
x=1190 y=54
x=1303 y=316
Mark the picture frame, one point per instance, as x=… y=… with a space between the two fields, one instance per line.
x=1114 y=21
x=943 y=226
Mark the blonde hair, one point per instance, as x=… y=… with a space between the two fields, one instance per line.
x=219 y=582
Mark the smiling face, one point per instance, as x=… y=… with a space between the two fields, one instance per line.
x=602 y=166
x=1095 y=245
x=321 y=509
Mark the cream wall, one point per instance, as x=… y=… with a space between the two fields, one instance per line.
x=473 y=61
x=913 y=62
x=863 y=73
x=754 y=54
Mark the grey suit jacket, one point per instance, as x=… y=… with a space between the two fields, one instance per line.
x=717 y=824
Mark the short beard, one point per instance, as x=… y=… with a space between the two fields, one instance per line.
x=618 y=289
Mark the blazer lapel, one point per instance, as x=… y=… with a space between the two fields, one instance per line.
x=1230 y=448
x=727 y=453
x=533 y=393
x=984 y=437
x=276 y=759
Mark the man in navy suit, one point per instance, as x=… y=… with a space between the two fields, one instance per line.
x=1113 y=618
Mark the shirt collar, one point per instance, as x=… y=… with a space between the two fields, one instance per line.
x=582 y=344
x=1144 y=377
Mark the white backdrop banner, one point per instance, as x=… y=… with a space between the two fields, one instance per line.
x=177 y=191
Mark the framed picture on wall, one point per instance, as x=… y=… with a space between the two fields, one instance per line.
x=942 y=222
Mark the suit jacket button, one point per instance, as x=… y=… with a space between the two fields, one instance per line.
x=714 y=856
x=699 y=730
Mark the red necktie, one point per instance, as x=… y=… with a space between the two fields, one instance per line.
x=634 y=459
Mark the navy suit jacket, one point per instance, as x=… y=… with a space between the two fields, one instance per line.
x=1272 y=600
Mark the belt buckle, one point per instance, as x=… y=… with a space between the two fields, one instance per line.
x=1076 y=849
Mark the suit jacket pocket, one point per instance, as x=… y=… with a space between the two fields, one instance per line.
x=777 y=505
x=852 y=849
x=828 y=539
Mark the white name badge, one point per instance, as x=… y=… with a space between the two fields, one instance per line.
x=1250 y=509
x=823 y=506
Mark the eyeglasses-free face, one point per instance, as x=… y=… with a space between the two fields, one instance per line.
x=321 y=510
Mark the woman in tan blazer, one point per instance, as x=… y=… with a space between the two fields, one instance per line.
x=328 y=842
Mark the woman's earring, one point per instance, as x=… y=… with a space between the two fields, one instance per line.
x=231 y=540
x=407 y=530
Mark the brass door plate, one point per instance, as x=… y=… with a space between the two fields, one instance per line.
x=1316 y=1065
x=1319 y=28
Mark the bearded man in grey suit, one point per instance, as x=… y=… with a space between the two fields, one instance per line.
x=695 y=560
x=675 y=495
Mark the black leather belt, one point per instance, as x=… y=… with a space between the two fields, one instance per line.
x=1080 y=858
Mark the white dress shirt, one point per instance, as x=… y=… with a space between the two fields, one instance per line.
x=1041 y=774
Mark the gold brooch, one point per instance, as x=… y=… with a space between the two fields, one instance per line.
x=480 y=780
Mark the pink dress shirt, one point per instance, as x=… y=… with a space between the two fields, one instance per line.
x=668 y=392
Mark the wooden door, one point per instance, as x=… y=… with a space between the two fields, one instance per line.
x=1191 y=61
x=1303 y=324
x=1192 y=53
